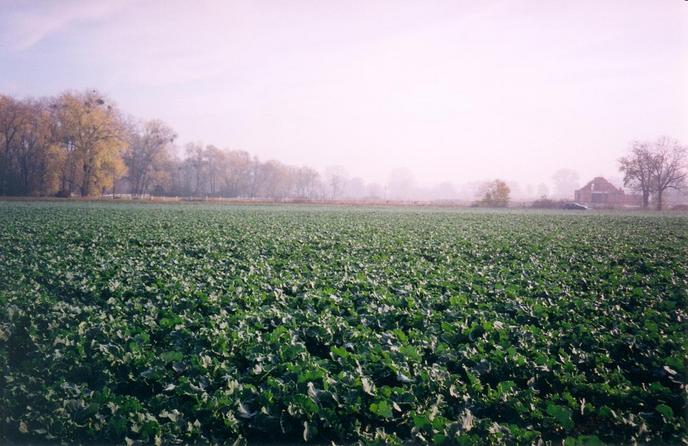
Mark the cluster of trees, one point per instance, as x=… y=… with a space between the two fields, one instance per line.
x=494 y=194
x=652 y=168
x=79 y=143
x=72 y=143
x=214 y=172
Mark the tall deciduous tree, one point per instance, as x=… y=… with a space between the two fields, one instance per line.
x=197 y=165
x=237 y=176
x=91 y=133
x=637 y=169
x=12 y=117
x=27 y=159
x=147 y=157
x=34 y=156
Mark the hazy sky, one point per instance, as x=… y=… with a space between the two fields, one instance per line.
x=453 y=90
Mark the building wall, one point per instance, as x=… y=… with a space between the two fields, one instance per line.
x=601 y=193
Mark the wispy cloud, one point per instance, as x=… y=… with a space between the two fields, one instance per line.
x=28 y=23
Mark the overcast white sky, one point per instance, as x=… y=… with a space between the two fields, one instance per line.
x=453 y=90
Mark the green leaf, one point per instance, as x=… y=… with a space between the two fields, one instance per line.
x=172 y=356
x=338 y=351
x=382 y=408
x=421 y=421
x=410 y=352
x=666 y=411
x=562 y=414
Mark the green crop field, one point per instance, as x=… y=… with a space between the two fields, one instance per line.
x=189 y=323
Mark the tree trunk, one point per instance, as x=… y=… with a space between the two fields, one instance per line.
x=646 y=199
x=84 y=185
x=659 y=200
x=5 y=168
x=3 y=174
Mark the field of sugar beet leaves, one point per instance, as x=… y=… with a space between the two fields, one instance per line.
x=165 y=324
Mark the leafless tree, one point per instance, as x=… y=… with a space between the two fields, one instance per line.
x=33 y=158
x=148 y=155
x=237 y=173
x=668 y=167
x=652 y=168
x=565 y=182
x=336 y=179
x=306 y=181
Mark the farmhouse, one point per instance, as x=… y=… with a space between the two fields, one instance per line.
x=601 y=193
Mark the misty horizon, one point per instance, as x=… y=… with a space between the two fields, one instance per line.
x=452 y=93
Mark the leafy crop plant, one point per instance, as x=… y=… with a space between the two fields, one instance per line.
x=177 y=324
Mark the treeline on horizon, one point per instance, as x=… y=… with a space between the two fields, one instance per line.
x=79 y=143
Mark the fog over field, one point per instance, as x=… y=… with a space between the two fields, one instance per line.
x=406 y=99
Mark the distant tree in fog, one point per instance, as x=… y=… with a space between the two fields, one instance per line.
x=470 y=190
x=444 y=191
x=515 y=189
x=669 y=171
x=335 y=179
x=355 y=188
x=494 y=194
x=401 y=184
x=652 y=168
x=307 y=182
x=277 y=180
x=197 y=164
x=566 y=181
x=542 y=190
x=375 y=190
x=237 y=176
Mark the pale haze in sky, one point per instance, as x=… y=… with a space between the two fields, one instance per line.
x=455 y=91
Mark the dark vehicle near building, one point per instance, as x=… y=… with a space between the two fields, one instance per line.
x=575 y=206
